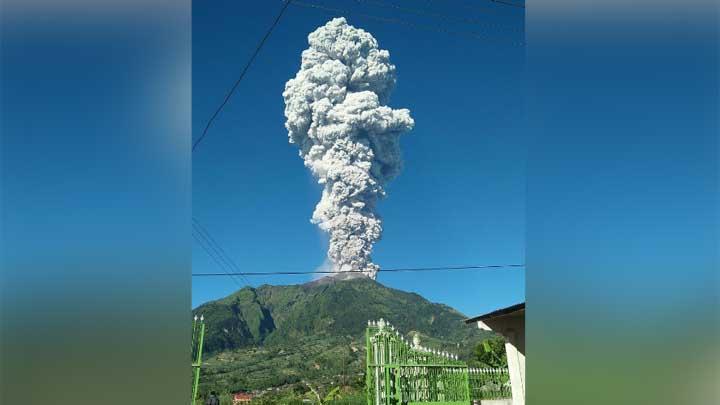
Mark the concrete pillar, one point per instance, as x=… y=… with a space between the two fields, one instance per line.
x=516 y=368
x=516 y=359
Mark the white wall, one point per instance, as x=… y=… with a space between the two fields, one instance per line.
x=496 y=402
x=512 y=327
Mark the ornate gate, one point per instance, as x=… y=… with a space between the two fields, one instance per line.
x=403 y=373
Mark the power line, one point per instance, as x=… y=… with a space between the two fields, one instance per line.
x=247 y=66
x=426 y=27
x=465 y=20
x=406 y=269
x=507 y=3
x=217 y=261
x=485 y=8
x=217 y=248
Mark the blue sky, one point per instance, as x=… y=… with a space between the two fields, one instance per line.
x=460 y=199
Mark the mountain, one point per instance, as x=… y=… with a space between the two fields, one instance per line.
x=272 y=336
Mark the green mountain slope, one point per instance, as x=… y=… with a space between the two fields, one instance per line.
x=273 y=336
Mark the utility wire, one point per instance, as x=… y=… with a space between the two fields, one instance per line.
x=507 y=3
x=242 y=75
x=445 y=17
x=212 y=251
x=426 y=27
x=485 y=7
x=214 y=258
x=199 y=228
x=407 y=269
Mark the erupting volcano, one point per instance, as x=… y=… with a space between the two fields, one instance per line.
x=349 y=139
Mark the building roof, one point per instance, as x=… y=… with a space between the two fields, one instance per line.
x=498 y=313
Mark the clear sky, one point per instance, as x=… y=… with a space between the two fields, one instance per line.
x=460 y=199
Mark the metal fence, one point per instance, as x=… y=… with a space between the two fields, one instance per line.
x=400 y=372
x=489 y=383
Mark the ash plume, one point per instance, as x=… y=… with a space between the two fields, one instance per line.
x=348 y=138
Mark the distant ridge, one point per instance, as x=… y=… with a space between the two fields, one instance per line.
x=287 y=332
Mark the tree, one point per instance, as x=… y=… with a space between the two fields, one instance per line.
x=333 y=394
x=491 y=352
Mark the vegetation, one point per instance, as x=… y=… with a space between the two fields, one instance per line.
x=275 y=340
x=490 y=353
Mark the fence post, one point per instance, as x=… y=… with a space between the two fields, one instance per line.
x=198 y=360
x=368 y=378
x=467 y=383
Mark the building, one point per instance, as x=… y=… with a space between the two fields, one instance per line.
x=509 y=322
x=241 y=398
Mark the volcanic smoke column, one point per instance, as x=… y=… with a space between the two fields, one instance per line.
x=347 y=137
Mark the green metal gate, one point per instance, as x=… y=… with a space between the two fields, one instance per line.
x=402 y=373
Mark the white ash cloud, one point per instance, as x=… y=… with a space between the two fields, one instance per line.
x=347 y=137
